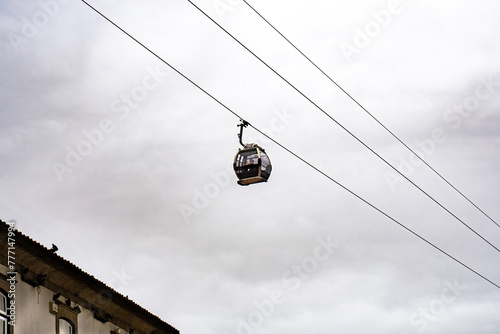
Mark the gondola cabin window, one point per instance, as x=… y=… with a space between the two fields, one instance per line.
x=252 y=165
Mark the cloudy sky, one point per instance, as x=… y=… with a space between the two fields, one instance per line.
x=126 y=166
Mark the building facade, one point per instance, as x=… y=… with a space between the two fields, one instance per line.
x=42 y=293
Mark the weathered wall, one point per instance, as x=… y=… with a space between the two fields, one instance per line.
x=33 y=315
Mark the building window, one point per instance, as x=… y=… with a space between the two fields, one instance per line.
x=3 y=313
x=66 y=327
x=66 y=319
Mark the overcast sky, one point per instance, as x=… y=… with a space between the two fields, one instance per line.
x=127 y=167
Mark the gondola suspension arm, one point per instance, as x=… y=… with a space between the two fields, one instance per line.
x=243 y=124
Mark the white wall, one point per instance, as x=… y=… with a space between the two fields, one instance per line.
x=32 y=310
x=33 y=316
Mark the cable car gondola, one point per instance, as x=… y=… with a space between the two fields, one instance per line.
x=251 y=163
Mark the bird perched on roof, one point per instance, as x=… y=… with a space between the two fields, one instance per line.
x=53 y=249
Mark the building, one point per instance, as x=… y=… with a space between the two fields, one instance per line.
x=40 y=292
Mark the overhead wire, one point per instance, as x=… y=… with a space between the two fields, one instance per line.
x=344 y=128
x=371 y=115
x=290 y=151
